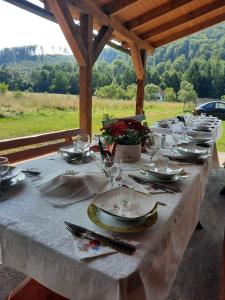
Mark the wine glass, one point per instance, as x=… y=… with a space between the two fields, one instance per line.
x=112 y=168
x=4 y=167
x=151 y=150
x=82 y=143
x=177 y=136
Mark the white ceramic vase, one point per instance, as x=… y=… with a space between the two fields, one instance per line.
x=128 y=153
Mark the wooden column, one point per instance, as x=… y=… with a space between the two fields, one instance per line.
x=86 y=33
x=141 y=85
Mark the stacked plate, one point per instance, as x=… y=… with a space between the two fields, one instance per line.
x=12 y=177
x=191 y=151
x=107 y=211
x=167 y=173
x=71 y=154
x=199 y=138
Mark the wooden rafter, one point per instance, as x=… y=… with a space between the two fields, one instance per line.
x=187 y=31
x=116 y=5
x=100 y=41
x=66 y=22
x=156 y=12
x=137 y=62
x=92 y=9
x=210 y=7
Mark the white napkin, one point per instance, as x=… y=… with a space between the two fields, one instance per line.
x=65 y=189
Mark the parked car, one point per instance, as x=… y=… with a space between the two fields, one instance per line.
x=214 y=108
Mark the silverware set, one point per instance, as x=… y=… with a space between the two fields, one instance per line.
x=85 y=233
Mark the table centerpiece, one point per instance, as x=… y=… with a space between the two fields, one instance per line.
x=125 y=137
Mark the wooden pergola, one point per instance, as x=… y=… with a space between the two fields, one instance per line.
x=136 y=27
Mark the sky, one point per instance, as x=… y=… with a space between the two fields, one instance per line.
x=20 y=28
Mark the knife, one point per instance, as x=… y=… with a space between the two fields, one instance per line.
x=82 y=232
x=170 y=190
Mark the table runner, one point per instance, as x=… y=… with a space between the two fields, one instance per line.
x=34 y=240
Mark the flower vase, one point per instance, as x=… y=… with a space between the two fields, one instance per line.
x=128 y=153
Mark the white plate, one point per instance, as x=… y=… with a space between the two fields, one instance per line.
x=190 y=151
x=13 y=172
x=166 y=173
x=141 y=204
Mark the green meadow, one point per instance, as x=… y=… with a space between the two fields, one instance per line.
x=32 y=113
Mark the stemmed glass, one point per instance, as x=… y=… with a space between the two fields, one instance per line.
x=82 y=143
x=151 y=150
x=4 y=167
x=112 y=168
x=177 y=137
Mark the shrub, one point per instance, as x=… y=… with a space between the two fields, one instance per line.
x=3 y=87
x=18 y=94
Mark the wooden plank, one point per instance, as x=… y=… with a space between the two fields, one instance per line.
x=37 y=139
x=91 y=8
x=222 y=280
x=29 y=289
x=35 y=152
x=141 y=86
x=195 y=28
x=156 y=12
x=100 y=41
x=86 y=28
x=116 y=5
x=23 y=4
x=66 y=22
x=137 y=62
x=183 y=19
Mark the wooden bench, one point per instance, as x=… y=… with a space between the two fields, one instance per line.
x=23 y=148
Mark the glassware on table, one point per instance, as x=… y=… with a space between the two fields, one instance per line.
x=4 y=167
x=177 y=136
x=82 y=142
x=125 y=199
x=112 y=168
x=151 y=150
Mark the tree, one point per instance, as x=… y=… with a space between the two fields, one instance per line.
x=186 y=92
x=170 y=95
x=171 y=79
x=151 y=91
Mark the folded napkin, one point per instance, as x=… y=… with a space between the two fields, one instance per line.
x=65 y=189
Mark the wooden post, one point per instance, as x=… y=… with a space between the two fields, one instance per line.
x=86 y=32
x=141 y=85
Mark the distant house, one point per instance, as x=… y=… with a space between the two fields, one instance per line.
x=160 y=96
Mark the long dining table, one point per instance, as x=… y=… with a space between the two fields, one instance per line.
x=34 y=240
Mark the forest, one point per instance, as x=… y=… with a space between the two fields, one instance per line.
x=198 y=59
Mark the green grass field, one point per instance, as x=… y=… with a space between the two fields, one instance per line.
x=32 y=113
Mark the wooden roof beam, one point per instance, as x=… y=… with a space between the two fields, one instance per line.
x=137 y=62
x=100 y=41
x=89 y=7
x=66 y=22
x=155 y=13
x=182 y=33
x=183 y=19
x=116 y=5
x=44 y=13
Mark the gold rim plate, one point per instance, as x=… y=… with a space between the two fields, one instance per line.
x=110 y=223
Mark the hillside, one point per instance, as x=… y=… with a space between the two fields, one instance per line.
x=199 y=58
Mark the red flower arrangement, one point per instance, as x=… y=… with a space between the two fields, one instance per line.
x=124 y=131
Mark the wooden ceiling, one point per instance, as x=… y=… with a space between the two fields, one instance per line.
x=150 y=24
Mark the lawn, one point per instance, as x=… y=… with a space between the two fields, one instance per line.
x=30 y=113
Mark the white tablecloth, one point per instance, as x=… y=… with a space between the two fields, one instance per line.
x=34 y=240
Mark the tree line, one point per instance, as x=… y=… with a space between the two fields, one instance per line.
x=199 y=60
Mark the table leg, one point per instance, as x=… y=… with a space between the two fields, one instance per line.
x=29 y=289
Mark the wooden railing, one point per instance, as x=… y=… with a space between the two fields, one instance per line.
x=33 y=146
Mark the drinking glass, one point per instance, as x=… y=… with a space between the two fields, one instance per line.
x=112 y=168
x=177 y=136
x=82 y=142
x=151 y=150
x=4 y=167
